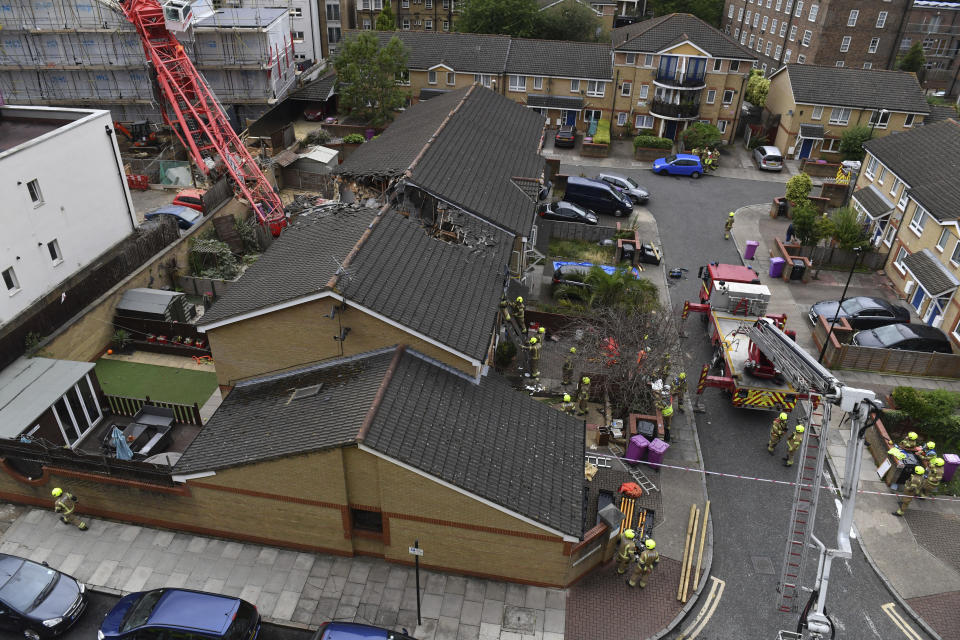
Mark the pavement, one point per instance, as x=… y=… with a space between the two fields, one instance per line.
x=918 y=555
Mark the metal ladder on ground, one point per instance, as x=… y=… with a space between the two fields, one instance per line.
x=645 y=483
x=806 y=491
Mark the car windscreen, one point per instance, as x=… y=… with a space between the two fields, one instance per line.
x=140 y=612
x=670 y=159
x=240 y=627
x=28 y=586
x=891 y=333
x=853 y=306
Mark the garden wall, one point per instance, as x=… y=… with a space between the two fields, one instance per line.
x=816 y=169
x=547 y=229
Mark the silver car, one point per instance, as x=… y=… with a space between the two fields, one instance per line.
x=627 y=185
x=768 y=158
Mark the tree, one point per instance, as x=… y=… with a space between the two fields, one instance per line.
x=851 y=142
x=933 y=413
x=847 y=230
x=757 y=88
x=798 y=188
x=710 y=11
x=385 y=21
x=620 y=289
x=367 y=76
x=914 y=59
x=809 y=225
x=701 y=134
x=569 y=21
x=517 y=18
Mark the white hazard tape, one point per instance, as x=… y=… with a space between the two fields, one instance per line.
x=737 y=476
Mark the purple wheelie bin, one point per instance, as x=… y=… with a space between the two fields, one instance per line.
x=637 y=448
x=776 y=267
x=656 y=451
x=950 y=463
x=750 y=249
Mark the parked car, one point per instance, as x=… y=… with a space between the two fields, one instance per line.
x=862 y=312
x=37 y=601
x=598 y=196
x=356 y=631
x=567 y=212
x=192 y=198
x=566 y=137
x=185 y=216
x=768 y=158
x=180 y=613
x=628 y=185
x=681 y=164
x=910 y=337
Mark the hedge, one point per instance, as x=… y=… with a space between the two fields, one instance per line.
x=652 y=142
x=602 y=136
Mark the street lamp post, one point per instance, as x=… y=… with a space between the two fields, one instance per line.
x=823 y=350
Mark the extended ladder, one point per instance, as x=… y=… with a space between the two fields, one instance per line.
x=809 y=460
x=645 y=483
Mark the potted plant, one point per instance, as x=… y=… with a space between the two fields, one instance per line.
x=199 y=344
x=121 y=340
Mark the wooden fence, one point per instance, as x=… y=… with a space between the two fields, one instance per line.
x=840 y=258
x=126 y=406
x=547 y=229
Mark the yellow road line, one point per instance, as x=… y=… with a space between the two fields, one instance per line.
x=901 y=623
x=706 y=611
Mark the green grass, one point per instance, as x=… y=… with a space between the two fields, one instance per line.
x=167 y=384
x=581 y=251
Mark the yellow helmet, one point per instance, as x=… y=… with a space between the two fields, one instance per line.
x=683 y=376
x=519 y=298
x=784 y=416
x=912 y=435
x=566 y=397
x=650 y=544
x=799 y=428
x=533 y=341
x=919 y=470
x=938 y=461
x=931 y=445
x=629 y=534
x=586 y=380
x=573 y=349
x=541 y=330
x=57 y=492
x=730 y=214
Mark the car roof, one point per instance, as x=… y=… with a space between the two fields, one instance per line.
x=769 y=149
x=914 y=330
x=196 y=193
x=194 y=610
x=352 y=631
x=587 y=181
x=866 y=301
x=687 y=156
x=176 y=210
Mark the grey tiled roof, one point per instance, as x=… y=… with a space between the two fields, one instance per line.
x=560 y=59
x=427 y=93
x=932 y=274
x=317 y=91
x=260 y=420
x=857 y=88
x=463 y=52
x=471 y=161
x=939 y=113
x=554 y=102
x=447 y=291
x=486 y=438
x=928 y=159
x=875 y=203
x=392 y=152
x=657 y=34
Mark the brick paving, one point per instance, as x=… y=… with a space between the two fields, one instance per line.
x=611 y=479
x=603 y=607
x=936 y=532
x=941 y=611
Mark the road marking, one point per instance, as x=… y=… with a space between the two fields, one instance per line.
x=706 y=611
x=898 y=620
x=872 y=626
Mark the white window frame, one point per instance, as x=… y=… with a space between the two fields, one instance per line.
x=596 y=88
x=868 y=65
x=908 y=120
x=740 y=15
x=538 y=83
x=10 y=273
x=898 y=263
x=642 y=119
x=778 y=51
x=955 y=256
x=717 y=65
x=852 y=18
x=766 y=50
x=730 y=12
x=753 y=39
x=799 y=11
x=793 y=33
x=814 y=10
x=881 y=19
x=845 y=44
x=756 y=20
x=871 y=166
x=644 y=92
x=405 y=24
x=296 y=12
x=840 y=115
x=783 y=28
x=297 y=36
x=482 y=78
x=904 y=198
x=711 y=96
x=889 y=234
x=883 y=175
x=882 y=119
x=942 y=240
x=621 y=118
x=807 y=37
x=432 y=76
x=518 y=83
x=575 y=85
x=451 y=78
x=764 y=23
x=428 y=25
x=918 y=221
x=895 y=185
x=787 y=55
x=53 y=250
x=725 y=99
x=446 y=25
x=626 y=89
x=403 y=78
x=779 y=5
x=722 y=125
x=801 y=58
x=838 y=63
x=631 y=59
x=817 y=112
x=33 y=190
x=874 y=45
x=648 y=60
x=773 y=27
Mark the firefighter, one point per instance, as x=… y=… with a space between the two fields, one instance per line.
x=568 y=367
x=542 y=334
x=534 y=350
x=65 y=504
x=680 y=384
x=667 y=413
x=929 y=453
x=625 y=549
x=728 y=226
x=520 y=313
x=934 y=475
x=909 y=443
x=567 y=405
x=505 y=310
x=583 y=396
x=911 y=489
x=777 y=429
x=793 y=443
x=644 y=564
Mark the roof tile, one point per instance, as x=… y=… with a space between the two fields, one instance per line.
x=657 y=34
x=856 y=88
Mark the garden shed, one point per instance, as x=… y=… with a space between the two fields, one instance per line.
x=156 y=304
x=317 y=160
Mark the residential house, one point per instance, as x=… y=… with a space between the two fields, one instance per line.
x=841 y=33
x=911 y=178
x=411 y=15
x=59 y=215
x=812 y=106
x=604 y=10
x=674 y=70
x=935 y=24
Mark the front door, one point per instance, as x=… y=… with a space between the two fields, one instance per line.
x=917 y=300
x=569 y=117
x=933 y=314
x=805 y=148
x=670 y=130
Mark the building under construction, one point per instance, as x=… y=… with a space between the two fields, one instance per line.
x=83 y=53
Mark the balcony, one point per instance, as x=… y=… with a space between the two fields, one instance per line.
x=675 y=111
x=679 y=80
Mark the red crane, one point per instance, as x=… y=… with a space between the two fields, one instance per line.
x=195 y=115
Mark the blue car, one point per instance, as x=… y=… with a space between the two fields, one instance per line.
x=180 y=613
x=681 y=164
x=355 y=631
x=185 y=216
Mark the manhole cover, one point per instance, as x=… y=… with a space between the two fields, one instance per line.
x=762 y=564
x=520 y=619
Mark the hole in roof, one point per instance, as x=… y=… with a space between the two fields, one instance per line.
x=306 y=392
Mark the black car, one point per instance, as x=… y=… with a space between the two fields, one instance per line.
x=567 y=212
x=566 y=137
x=909 y=337
x=862 y=312
x=37 y=601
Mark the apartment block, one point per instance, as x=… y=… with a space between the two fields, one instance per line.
x=411 y=15
x=936 y=26
x=842 y=33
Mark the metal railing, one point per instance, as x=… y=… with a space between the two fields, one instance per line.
x=127 y=406
x=685 y=80
x=671 y=110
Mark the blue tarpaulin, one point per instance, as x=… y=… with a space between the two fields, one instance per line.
x=606 y=267
x=124 y=452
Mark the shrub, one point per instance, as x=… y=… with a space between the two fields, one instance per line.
x=798 y=188
x=757 y=141
x=808 y=225
x=317 y=136
x=354 y=138
x=701 y=134
x=505 y=353
x=602 y=136
x=652 y=142
x=847 y=230
x=932 y=413
x=851 y=142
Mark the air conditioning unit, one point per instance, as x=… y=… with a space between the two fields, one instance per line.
x=908 y=288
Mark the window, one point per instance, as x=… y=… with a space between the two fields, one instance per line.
x=405 y=23
x=749 y=13
x=838 y=63
x=644 y=92
x=734 y=66
x=13 y=285
x=538 y=83
x=596 y=88
x=874 y=45
x=868 y=65
x=648 y=60
x=881 y=19
x=773 y=27
x=942 y=242
x=799 y=11
x=840 y=115
x=626 y=88
x=403 y=77
x=872 y=166
x=898 y=263
x=888 y=234
x=852 y=18
x=752 y=40
x=801 y=58
x=367 y=520
x=728 y=96
x=298 y=36
x=333 y=12
x=778 y=51
x=631 y=59
x=428 y=25
x=879 y=119
x=905 y=43
x=378 y=5
x=718 y=65
x=574 y=86
x=955 y=257
x=730 y=13
x=908 y=120
x=621 y=118
x=806 y=38
x=429 y=4
x=759 y=44
x=432 y=77
x=783 y=29
x=756 y=20
x=296 y=12
x=766 y=50
x=919 y=220
x=763 y=25
x=896 y=185
x=787 y=55
x=722 y=125
x=405 y=4
x=518 y=83
x=36 y=197
x=482 y=78
x=451 y=77
x=53 y=248
x=589 y=115
x=711 y=96
x=883 y=174
x=333 y=35
x=366 y=24
x=779 y=4
x=902 y=202
x=763 y=68
x=793 y=33
x=446 y=4
x=817 y=112
x=446 y=25
x=740 y=15
x=788 y=7
x=814 y=10
x=644 y=122
x=743 y=37
x=845 y=44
